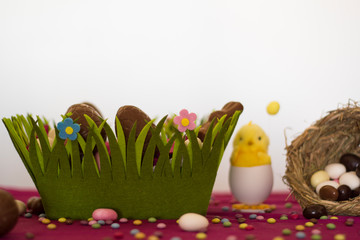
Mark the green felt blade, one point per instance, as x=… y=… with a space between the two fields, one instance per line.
x=231 y=128
x=90 y=168
x=132 y=170
x=117 y=161
x=76 y=169
x=207 y=144
x=139 y=144
x=121 y=139
x=195 y=152
x=34 y=155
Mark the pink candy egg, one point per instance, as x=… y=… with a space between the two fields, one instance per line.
x=104 y=214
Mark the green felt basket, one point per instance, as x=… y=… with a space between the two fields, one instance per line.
x=72 y=185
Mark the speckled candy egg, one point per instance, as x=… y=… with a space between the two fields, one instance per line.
x=193 y=222
x=9 y=212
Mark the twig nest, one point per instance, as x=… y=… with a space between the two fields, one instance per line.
x=9 y=212
x=324 y=143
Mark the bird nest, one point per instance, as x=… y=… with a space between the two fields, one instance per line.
x=319 y=145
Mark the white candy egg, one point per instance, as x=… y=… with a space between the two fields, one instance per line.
x=335 y=170
x=350 y=179
x=319 y=177
x=330 y=183
x=193 y=222
x=251 y=185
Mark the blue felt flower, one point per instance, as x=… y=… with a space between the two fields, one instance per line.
x=68 y=129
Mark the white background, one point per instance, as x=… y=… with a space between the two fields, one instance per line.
x=163 y=56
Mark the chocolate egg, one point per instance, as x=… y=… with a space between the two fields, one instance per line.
x=358 y=171
x=314 y=211
x=344 y=193
x=355 y=192
x=329 y=193
x=78 y=111
x=129 y=115
x=229 y=109
x=351 y=161
x=9 y=212
x=35 y=206
x=21 y=206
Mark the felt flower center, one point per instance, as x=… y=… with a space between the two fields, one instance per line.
x=185 y=122
x=69 y=130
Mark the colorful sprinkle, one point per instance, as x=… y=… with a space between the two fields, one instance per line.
x=92 y=222
x=286 y=231
x=278 y=238
x=340 y=237
x=115 y=226
x=300 y=235
x=123 y=220
x=243 y=225
x=62 y=220
x=140 y=235
x=96 y=225
x=215 y=220
x=118 y=235
x=316 y=237
x=288 y=205
x=153 y=237
x=252 y=216
x=29 y=235
x=249 y=227
x=43 y=215
x=299 y=228
x=161 y=225
x=28 y=215
x=324 y=217
x=152 y=220
x=309 y=224
x=334 y=217
x=175 y=238
x=316 y=231
x=137 y=222
x=69 y=221
x=231 y=237
x=101 y=222
x=134 y=231
x=225 y=208
x=271 y=220
x=283 y=217
x=51 y=226
x=260 y=218
x=330 y=226
x=201 y=235
x=109 y=222
x=227 y=224
x=46 y=221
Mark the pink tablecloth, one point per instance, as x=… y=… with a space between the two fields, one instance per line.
x=220 y=206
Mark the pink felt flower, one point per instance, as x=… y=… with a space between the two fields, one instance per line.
x=185 y=121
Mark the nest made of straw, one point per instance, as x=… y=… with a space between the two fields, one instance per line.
x=323 y=143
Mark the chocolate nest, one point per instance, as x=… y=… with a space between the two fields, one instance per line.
x=319 y=145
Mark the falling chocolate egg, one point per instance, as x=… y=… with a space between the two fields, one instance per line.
x=35 y=206
x=78 y=111
x=9 y=212
x=229 y=109
x=129 y=115
x=351 y=161
x=314 y=211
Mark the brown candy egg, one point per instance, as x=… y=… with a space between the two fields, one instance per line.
x=78 y=111
x=9 y=212
x=35 y=206
x=229 y=109
x=314 y=211
x=344 y=193
x=328 y=192
x=129 y=115
x=351 y=161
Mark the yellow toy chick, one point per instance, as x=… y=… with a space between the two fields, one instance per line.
x=251 y=176
x=250 y=147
